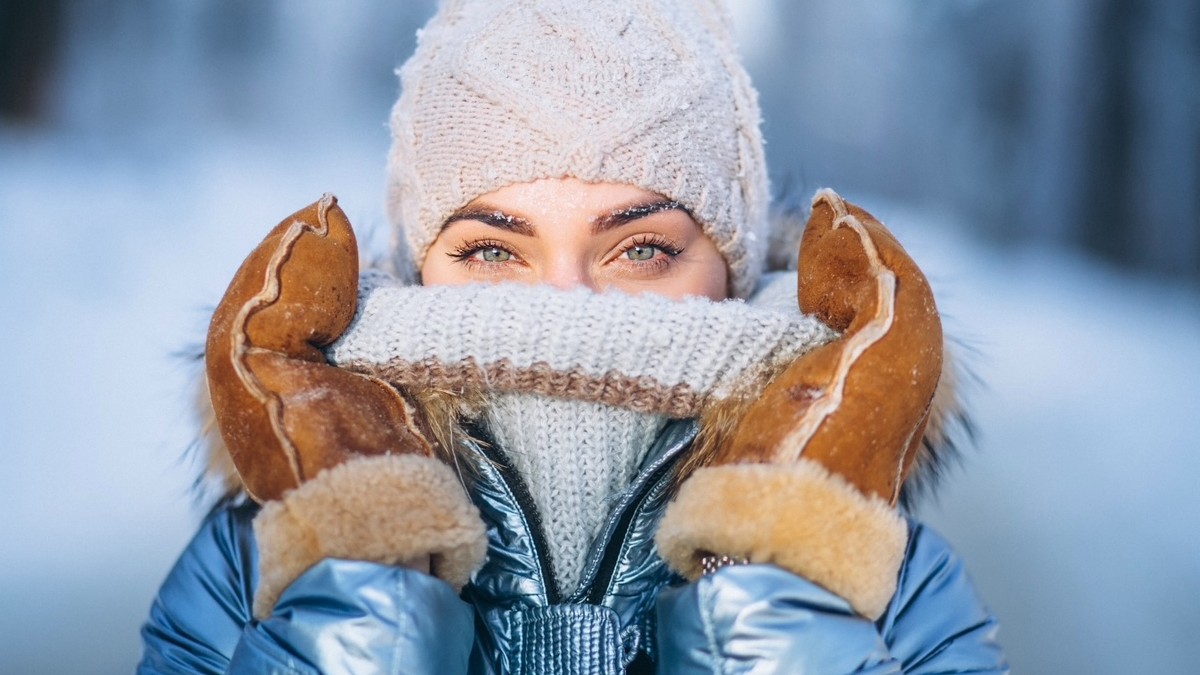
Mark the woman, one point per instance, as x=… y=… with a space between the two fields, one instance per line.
x=500 y=469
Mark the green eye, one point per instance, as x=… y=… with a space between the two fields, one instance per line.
x=641 y=253
x=494 y=254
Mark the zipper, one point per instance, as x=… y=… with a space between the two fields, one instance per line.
x=598 y=575
x=516 y=486
x=612 y=552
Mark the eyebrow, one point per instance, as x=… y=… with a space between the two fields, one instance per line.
x=629 y=214
x=497 y=218
x=493 y=217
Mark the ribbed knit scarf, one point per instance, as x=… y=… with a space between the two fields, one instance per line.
x=576 y=457
x=577 y=384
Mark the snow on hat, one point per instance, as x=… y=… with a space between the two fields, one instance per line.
x=643 y=92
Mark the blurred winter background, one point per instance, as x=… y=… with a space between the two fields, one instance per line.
x=1040 y=159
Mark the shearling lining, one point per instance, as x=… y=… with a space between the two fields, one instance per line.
x=382 y=509
x=817 y=526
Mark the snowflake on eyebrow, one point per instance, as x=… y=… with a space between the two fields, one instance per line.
x=643 y=210
x=502 y=216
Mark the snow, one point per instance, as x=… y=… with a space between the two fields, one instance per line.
x=109 y=264
x=1076 y=513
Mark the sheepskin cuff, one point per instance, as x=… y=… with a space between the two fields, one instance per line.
x=382 y=509
x=797 y=516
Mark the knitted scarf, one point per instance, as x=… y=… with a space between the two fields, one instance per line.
x=576 y=384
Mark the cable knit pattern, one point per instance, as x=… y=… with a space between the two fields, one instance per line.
x=648 y=92
x=575 y=457
x=645 y=353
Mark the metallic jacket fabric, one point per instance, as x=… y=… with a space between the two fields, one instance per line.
x=629 y=615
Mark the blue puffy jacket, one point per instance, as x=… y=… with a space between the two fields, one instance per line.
x=630 y=614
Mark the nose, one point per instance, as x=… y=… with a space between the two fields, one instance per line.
x=566 y=274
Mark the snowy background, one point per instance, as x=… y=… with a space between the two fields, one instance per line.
x=1050 y=189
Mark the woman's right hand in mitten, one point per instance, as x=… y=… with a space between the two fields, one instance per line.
x=343 y=463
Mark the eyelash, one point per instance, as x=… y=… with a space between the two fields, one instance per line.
x=657 y=241
x=466 y=252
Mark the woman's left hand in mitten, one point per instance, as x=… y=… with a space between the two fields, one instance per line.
x=810 y=477
x=343 y=463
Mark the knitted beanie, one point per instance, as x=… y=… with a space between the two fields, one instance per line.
x=641 y=92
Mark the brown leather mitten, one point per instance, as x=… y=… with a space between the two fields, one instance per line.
x=342 y=462
x=810 y=477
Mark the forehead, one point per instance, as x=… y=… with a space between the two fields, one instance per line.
x=554 y=196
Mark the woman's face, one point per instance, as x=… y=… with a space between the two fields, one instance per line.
x=566 y=233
